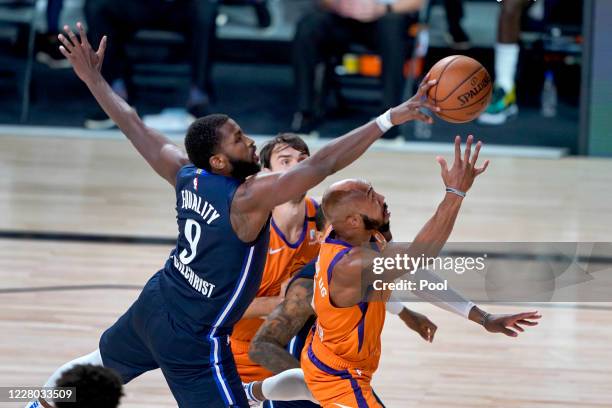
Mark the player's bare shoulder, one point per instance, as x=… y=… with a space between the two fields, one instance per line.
x=346 y=273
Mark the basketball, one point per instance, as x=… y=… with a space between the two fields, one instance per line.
x=463 y=90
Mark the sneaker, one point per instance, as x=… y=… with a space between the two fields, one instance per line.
x=502 y=107
x=170 y=120
x=49 y=54
x=99 y=120
x=457 y=39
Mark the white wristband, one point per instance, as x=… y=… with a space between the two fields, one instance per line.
x=384 y=121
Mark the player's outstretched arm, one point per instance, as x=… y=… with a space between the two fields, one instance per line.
x=357 y=265
x=267 y=190
x=161 y=153
x=508 y=324
x=457 y=180
x=268 y=346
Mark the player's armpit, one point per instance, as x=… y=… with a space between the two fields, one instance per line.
x=268 y=346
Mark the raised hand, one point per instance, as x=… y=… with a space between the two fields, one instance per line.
x=411 y=109
x=461 y=176
x=86 y=62
x=505 y=323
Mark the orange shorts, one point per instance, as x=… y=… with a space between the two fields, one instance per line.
x=247 y=369
x=338 y=387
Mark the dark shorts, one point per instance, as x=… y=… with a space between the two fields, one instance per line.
x=198 y=368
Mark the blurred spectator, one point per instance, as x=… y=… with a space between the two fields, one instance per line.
x=120 y=20
x=456 y=36
x=332 y=27
x=96 y=387
x=503 y=105
x=47 y=43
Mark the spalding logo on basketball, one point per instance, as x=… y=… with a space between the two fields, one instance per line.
x=463 y=90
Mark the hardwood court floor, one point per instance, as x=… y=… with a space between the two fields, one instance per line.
x=57 y=297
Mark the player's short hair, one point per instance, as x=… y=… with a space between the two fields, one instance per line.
x=334 y=199
x=320 y=220
x=290 y=139
x=96 y=387
x=202 y=139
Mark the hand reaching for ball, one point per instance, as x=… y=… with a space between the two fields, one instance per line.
x=411 y=109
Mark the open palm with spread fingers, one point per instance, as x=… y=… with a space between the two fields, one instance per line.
x=461 y=176
x=86 y=62
x=508 y=323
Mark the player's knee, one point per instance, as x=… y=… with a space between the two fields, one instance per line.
x=296 y=377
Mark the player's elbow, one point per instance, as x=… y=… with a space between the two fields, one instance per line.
x=256 y=351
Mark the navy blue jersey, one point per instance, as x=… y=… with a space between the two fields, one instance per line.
x=211 y=276
x=296 y=344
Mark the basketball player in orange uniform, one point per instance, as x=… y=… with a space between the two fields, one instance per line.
x=344 y=349
x=293 y=244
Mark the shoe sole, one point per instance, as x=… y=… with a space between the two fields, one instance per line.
x=458 y=46
x=498 y=118
x=99 y=124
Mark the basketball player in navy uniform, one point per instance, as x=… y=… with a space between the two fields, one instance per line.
x=182 y=320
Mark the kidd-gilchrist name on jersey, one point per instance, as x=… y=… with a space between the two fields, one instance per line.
x=211 y=276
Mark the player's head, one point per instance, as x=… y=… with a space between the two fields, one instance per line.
x=321 y=224
x=217 y=144
x=353 y=207
x=283 y=152
x=96 y=387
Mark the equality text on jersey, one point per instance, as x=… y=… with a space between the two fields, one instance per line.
x=202 y=207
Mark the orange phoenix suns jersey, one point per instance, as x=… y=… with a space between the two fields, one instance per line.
x=344 y=349
x=284 y=259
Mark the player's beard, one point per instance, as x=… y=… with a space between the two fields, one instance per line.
x=370 y=224
x=385 y=226
x=242 y=169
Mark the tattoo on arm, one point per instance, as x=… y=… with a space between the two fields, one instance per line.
x=285 y=321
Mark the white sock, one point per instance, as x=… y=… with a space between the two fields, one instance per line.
x=506 y=60
x=93 y=358
x=287 y=386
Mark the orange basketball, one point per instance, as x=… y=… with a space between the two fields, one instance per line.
x=463 y=90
